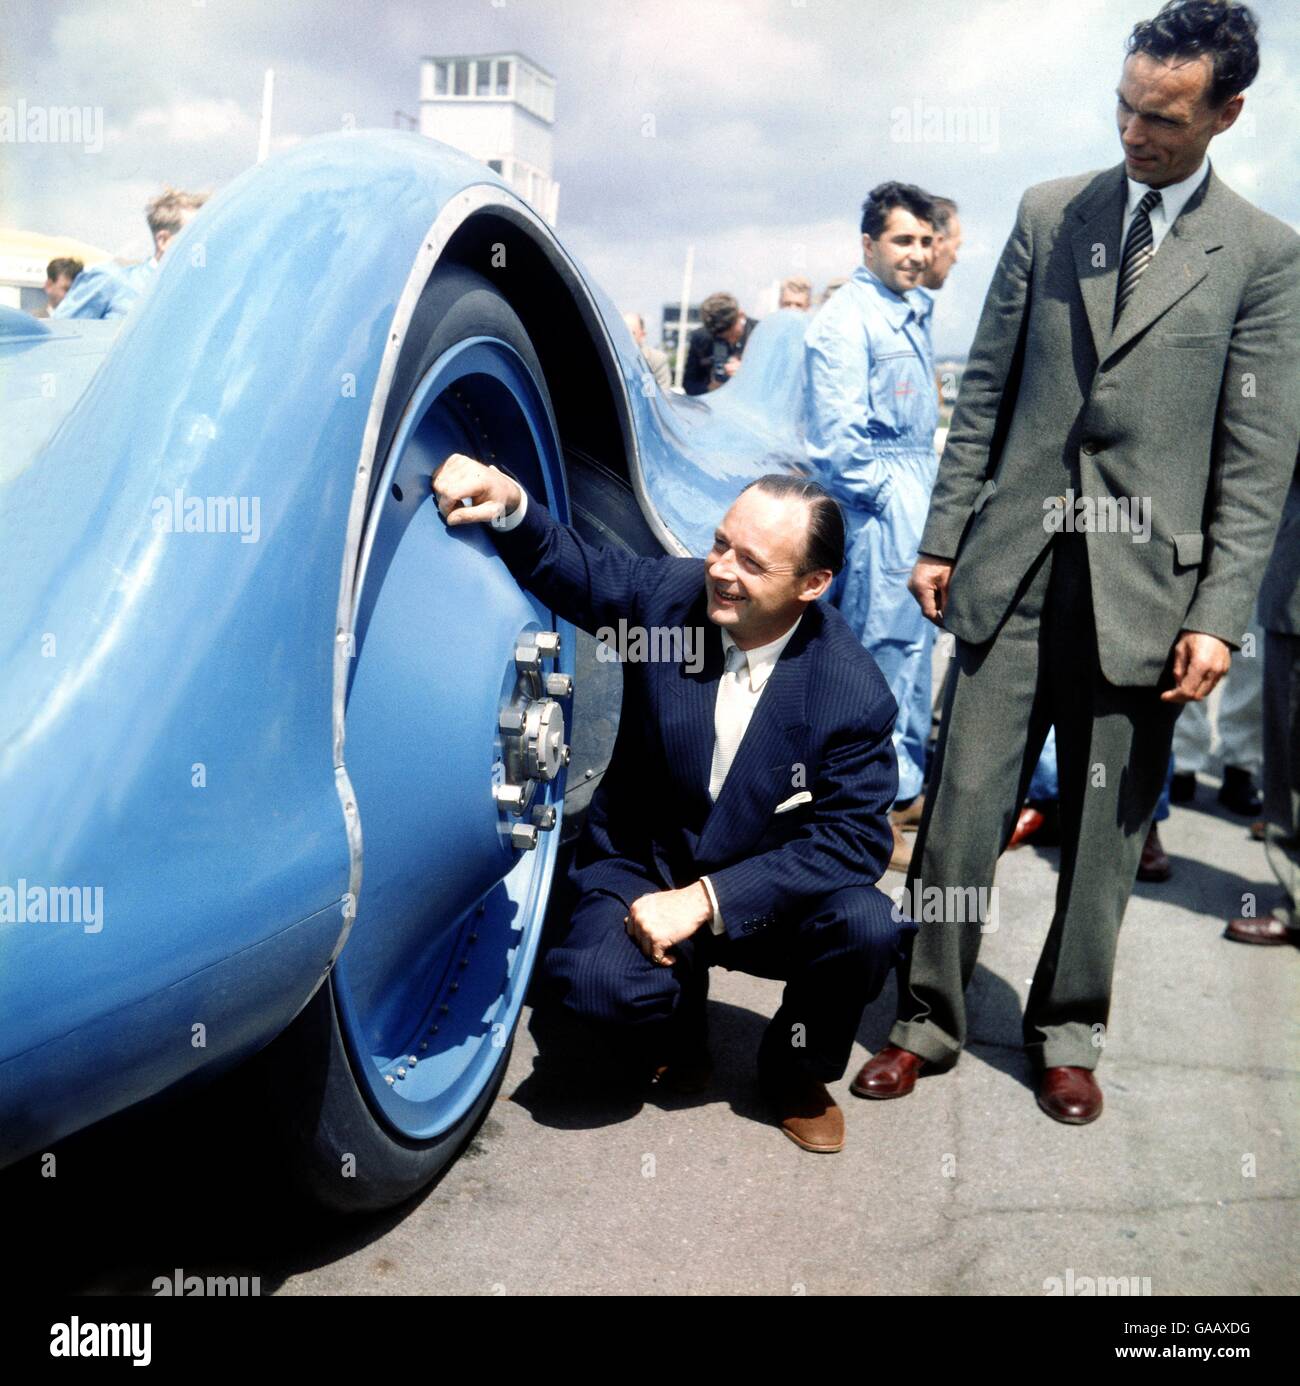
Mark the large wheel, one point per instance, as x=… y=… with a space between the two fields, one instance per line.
x=457 y=713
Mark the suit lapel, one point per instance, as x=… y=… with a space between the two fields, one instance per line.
x=772 y=739
x=1176 y=268
x=688 y=726
x=1096 y=253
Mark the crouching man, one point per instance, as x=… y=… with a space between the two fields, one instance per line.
x=744 y=817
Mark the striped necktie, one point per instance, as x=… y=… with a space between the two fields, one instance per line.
x=729 y=722
x=1137 y=250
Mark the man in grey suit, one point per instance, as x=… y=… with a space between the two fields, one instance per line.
x=1104 y=508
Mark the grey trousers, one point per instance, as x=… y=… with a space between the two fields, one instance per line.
x=1039 y=670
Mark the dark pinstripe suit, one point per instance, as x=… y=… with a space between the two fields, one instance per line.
x=796 y=890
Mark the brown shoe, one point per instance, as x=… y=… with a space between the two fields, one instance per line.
x=909 y=817
x=1027 y=824
x=891 y=1073
x=807 y=1113
x=1154 y=865
x=1070 y=1095
x=902 y=857
x=1268 y=929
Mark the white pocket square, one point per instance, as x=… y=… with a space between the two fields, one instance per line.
x=803 y=797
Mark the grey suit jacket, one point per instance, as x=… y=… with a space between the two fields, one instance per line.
x=1191 y=407
x=1279 y=597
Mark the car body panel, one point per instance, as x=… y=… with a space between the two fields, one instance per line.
x=170 y=734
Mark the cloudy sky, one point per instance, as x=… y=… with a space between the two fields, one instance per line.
x=771 y=118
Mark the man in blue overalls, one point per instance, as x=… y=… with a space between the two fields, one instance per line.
x=872 y=414
x=112 y=290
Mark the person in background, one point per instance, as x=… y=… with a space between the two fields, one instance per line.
x=59 y=276
x=1239 y=729
x=871 y=420
x=111 y=290
x=947 y=242
x=714 y=349
x=943 y=256
x=654 y=358
x=1279 y=615
x=831 y=288
x=796 y=292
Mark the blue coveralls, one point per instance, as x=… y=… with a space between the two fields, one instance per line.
x=872 y=413
x=107 y=291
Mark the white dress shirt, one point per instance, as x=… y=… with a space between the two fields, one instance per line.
x=1163 y=215
x=516 y=516
x=738 y=695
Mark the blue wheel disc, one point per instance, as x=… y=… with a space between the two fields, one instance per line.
x=433 y=976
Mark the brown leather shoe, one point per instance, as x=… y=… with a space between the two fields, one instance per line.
x=909 y=817
x=1154 y=865
x=1027 y=824
x=1070 y=1095
x=807 y=1113
x=891 y=1073
x=1268 y=929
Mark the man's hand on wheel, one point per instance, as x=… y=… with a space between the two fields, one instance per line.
x=1200 y=661
x=929 y=585
x=655 y=922
x=490 y=493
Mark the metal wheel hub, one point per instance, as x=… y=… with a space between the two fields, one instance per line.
x=532 y=746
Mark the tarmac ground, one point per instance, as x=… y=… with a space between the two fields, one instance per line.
x=1188 y=1181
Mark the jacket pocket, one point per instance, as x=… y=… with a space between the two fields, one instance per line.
x=1193 y=339
x=987 y=492
x=1188 y=549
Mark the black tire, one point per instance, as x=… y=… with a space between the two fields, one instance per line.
x=342 y=1158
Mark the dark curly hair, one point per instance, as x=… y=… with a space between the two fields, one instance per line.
x=1220 y=28
x=884 y=197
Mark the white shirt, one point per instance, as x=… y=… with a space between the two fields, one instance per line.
x=1163 y=215
x=738 y=695
x=516 y=516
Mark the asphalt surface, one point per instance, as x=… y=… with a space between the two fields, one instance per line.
x=1188 y=1180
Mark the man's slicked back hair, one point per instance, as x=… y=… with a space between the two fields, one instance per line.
x=825 y=546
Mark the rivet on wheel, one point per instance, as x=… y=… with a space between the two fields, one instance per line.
x=424 y=1044
x=412 y=1060
x=388 y=1078
x=401 y=1073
